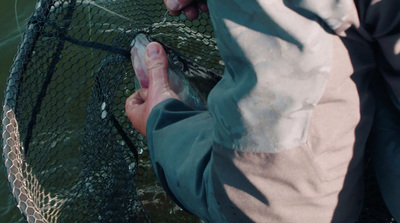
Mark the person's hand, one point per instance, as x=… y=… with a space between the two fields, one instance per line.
x=139 y=105
x=189 y=7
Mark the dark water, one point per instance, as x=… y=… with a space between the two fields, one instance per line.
x=13 y=14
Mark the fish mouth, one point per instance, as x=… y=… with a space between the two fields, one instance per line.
x=140 y=39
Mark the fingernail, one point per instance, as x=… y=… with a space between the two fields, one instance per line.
x=173 y=5
x=152 y=50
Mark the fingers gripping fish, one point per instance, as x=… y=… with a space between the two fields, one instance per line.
x=176 y=76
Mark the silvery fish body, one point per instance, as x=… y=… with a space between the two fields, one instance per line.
x=176 y=73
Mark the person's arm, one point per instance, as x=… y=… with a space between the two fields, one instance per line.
x=179 y=138
x=278 y=63
x=180 y=144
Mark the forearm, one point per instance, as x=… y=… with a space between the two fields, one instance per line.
x=180 y=144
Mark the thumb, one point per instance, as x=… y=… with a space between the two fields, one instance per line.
x=157 y=66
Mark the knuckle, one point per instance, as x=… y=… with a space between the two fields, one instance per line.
x=156 y=65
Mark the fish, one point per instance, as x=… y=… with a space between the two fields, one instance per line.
x=177 y=72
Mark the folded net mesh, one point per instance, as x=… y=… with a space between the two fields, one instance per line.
x=71 y=155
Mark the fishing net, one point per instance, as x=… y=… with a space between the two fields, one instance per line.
x=70 y=152
x=71 y=155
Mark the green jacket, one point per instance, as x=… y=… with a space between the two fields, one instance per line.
x=287 y=126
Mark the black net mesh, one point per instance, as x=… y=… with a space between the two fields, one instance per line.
x=70 y=152
x=71 y=155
